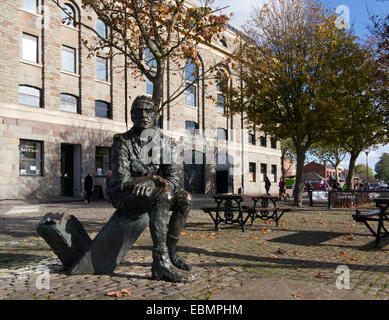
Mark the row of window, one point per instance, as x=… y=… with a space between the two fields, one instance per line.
x=262 y=141
x=253 y=172
x=31 y=96
x=31 y=159
x=30 y=52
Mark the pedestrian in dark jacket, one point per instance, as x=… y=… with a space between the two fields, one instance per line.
x=88 y=186
x=267 y=185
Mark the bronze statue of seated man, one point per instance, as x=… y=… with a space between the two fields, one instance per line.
x=142 y=187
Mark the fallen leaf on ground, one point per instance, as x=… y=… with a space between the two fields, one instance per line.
x=350 y=237
x=273 y=256
x=297 y=295
x=254 y=238
x=319 y=275
x=281 y=251
x=120 y=294
x=296 y=253
x=342 y=254
x=182 y=233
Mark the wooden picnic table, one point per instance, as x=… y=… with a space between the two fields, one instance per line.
x=380 y=216
x=229 y=209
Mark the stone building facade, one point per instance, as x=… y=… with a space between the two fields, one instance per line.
x=59 y=110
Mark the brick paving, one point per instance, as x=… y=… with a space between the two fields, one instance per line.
x=308 y=245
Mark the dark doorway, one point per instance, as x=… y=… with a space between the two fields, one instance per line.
x=193 y=172
x=222 y=181
x=67 y=169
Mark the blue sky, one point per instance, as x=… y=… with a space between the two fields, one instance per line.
x=359 y=19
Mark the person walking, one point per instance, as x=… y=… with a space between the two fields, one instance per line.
x=88 y=186
x=282 y=189
x=267 y=185
x=108 y=180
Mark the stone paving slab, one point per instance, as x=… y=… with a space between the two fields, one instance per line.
x=303 y=252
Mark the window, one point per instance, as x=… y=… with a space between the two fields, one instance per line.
x=263 y=171
x=102 y=109
x=102 y=161
x=274 y=173
x=252 y=139
x=191 y=71
x=190 y=96
x=30 y=5
x=101 y=29
x=68 y=15
x=149 y=59
x=29 y=96
x=30 y=48
x=252 y=171
x=221 y=134
x=220 y=104
x=273 y=142
x=223 y=42
x=30 y=158
x=149 y=87
x=101 y=69
x=263 y=141
x=68 y=59
x=69 y=103
x=191 y=127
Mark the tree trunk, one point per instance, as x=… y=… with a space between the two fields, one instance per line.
x=299 y=183
x=158 y=84
x=351 y=168
x=283 y=171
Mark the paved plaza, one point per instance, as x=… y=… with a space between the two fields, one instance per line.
x=296 y=260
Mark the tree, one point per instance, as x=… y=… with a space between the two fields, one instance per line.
x=330 y=152
x=360 y=170
x=382 y=168
x=288 y=156
x=151 y=33
x=291 y=59
x=364 y=110
x=380 y=31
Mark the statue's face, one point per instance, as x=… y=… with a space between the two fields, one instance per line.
x=144 y=116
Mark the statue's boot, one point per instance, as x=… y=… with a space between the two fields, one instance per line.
x=181 y=209
x=162 y=268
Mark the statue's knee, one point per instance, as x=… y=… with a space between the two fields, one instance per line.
x=164 y=195
x=184 y=198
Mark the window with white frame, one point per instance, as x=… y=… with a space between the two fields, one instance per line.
x=29 y=96
x=102 y=69
x=69 y=103
x=263 y=141
x=101 y=28
x=274 y=173
x=190 y=95
x=68 y=15
x=252 y=171
x=30 y=5
x=30 y=48
x=263 y=171
x=68 y=59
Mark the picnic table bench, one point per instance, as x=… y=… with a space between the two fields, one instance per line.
x=232 y=211
x=379 y=216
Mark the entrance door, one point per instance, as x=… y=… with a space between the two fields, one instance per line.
x=193 y=172
x=67 y=169
x=222 y=181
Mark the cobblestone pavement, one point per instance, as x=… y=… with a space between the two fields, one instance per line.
x=308 y=245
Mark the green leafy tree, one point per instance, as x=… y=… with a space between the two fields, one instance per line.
x=291 y=60
x=382 y=168
x=360 y=169
x=331 y=153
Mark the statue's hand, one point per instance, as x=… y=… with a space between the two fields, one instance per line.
x=144 y=189
x=163 y=183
